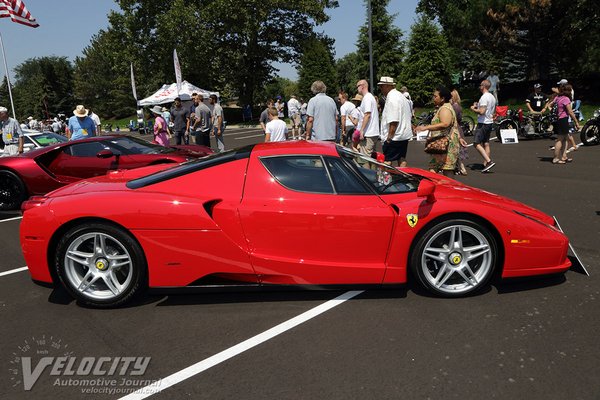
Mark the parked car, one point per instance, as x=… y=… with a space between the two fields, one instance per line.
x=44 y=169
x=290 y=213
x=35 y=139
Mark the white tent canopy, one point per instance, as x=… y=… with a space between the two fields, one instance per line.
x=168 y=93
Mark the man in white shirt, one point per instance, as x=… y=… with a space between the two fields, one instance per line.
x=396 y=128
x=276 y=130
x=294 y=114
x=369 y=129
x=485 y=109
x=346 y=111
x=96 y=120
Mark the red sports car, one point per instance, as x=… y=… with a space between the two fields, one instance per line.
x=291 y=213
x=42 y=170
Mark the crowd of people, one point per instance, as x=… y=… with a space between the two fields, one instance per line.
x=362 y=121
x=359 y=122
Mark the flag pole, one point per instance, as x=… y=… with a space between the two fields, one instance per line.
x=12 y=104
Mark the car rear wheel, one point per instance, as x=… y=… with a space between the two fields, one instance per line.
x=454 y=258
x=100 y=265
x=12 y=191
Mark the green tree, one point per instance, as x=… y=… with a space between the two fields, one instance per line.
x=348 y=69
x=316 y=64
x=43 y=87
x=388 y=46
x=222 y=45
x=529 y=39
x=278 y=86
x=428 y=61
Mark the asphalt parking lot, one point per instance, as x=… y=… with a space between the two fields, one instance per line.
x=534 y=338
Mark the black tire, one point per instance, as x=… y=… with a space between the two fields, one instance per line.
x=468 y=125
x=505 y=124
x=429 y=269
x=546 y=126
x=590 y=134
x=12 y=191
x=109 y=246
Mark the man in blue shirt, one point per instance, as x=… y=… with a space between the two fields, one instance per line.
x=80 y=125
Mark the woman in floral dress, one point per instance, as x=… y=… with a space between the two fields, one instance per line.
x=443 y=123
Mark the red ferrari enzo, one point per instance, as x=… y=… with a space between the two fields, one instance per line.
x=42 y=170
x=291 y=213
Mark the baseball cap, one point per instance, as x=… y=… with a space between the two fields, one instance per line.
x=537 y=85
x=562 y=82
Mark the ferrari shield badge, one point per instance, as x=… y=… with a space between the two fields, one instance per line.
x=412 y=220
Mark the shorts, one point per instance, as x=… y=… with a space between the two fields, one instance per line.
x=562 y=126
x=395 y=150
x=482 y=133
x=367 y=145
x=295 y=120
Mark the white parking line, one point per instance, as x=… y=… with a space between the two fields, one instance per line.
x=225 y=355
x=11 y=219
x=13 y=271
x=248 y=137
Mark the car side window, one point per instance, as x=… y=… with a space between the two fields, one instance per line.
x=88 y=149
x=300 y=173
x=344 y=180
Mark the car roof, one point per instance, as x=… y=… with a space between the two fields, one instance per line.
x=42 y=150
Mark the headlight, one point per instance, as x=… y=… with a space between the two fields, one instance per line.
x=596 y=113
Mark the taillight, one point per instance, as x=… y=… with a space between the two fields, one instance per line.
x=34 y=201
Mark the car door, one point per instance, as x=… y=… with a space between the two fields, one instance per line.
x=308 y=219
x=80 y=160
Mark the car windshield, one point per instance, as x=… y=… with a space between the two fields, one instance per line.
x=131 y=145
x=47 y=138
x=383 y=178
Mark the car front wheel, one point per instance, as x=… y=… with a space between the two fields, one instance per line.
x=100 y=265
x=454 y=258
x=12 y=191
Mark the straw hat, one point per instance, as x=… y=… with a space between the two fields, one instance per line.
x=80 y=111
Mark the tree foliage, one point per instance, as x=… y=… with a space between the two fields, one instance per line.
x=349 y=72
x=388 y=46
x=222 y=45
x=316 y=64
x=428 y=62
x=527 y=40
x=43 y=87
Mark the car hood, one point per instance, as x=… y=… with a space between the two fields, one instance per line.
x=447 y=188
x=112 y=181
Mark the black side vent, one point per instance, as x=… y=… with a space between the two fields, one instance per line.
x=209 y=206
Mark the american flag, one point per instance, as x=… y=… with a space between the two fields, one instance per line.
x=16 y=10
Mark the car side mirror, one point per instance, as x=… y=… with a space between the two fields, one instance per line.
x=426 y=189
x=105 y=154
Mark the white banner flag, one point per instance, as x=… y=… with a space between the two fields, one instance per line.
x=177 y=71
x=133 y=83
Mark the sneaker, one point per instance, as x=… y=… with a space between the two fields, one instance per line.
x=488 y=166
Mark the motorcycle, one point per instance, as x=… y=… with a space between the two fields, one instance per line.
x=590 y=134
x=527 y=126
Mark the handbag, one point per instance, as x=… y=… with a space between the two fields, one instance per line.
x=437 y=144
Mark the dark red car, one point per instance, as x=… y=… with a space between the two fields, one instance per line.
x=43 y=170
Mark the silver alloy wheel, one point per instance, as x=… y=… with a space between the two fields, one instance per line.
x=98 y=266
x=456 y=259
